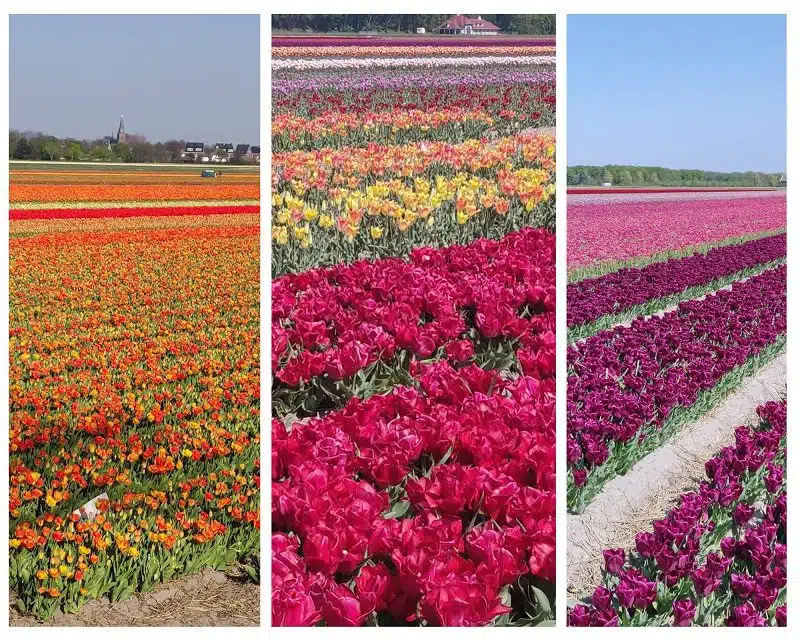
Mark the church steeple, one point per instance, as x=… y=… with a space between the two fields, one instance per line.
x=121 y=131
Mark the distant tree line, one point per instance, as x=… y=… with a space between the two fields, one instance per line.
x=634 y=176
x=41 y=146
x=407 y=23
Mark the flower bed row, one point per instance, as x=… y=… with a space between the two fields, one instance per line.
x=335 y=322
x=592 y=298
x=297 y=88
x=537 y=93
x=411 y=43
x=130 y=192
x=432 y=505
x=717 y=558
x=370 y=51
x=334 y=129
x=306 y=65
x=382 y=202
x=622 y=230
x=130 y=212
x=624 y=384
x=359 y=167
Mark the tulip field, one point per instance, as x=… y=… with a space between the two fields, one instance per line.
x=379 y=148
x=133 y=380
x=413 y=332
x=675 y=299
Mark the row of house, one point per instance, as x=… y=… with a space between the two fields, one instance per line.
x=221 y=153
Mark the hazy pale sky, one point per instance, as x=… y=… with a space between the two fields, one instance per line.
x=171 y=76
x=681 y=91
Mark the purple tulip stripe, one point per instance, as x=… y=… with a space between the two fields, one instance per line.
x=590 y=299
x=739 y=584
x=629 y=378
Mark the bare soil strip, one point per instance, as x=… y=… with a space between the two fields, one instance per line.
x=628 y=504
x=206 y=599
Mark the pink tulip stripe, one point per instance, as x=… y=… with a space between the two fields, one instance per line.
x=623 y=230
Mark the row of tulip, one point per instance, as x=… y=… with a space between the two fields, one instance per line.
x=328 y=325
x=655 y=286
x=717 y=558
x=332 y=206
x=624 y=229
x=432 y=505
x=334 y=129
x=375 y=51
x=323 y=64
x=409 y=42
x=407 y=81
x=106 y=193
x=535 y=94
x=628 y=387
x=168 y=210
x=119 y=177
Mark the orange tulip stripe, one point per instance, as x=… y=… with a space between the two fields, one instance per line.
x=127 y=212
x=133 y=372
x=138 y=192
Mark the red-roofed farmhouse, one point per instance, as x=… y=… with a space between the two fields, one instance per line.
x=462 y=25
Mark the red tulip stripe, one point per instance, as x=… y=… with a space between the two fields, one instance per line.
x=422 y=504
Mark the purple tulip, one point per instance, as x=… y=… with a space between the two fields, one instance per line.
x=606 y=618
x=614 y=559
x=601 y=598
x=745 y=615
x=580 y=616
x=683 y=611
x=646 y=544
x=780 y=615
x=742 y=585
x=742 y=513
x=704 y=582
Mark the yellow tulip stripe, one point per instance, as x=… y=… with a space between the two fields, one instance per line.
x=332 y=206
x=134 y=372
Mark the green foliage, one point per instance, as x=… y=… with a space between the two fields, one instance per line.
x=406 y=23
x=636 y=176
x=23 y=150
x=42 y=146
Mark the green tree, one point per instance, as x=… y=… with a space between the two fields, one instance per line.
x=124 y=153
x=73 y=150
x=23 y=149
x=50 y=150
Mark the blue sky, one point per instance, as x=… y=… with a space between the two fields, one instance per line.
x=692 y=91
x=171 y=76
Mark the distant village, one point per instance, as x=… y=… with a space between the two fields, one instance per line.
x=122 y=146
x=193 y=152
